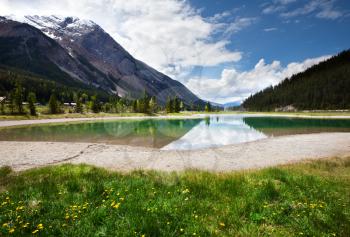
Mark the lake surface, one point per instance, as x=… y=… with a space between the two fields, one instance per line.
x=175 y=134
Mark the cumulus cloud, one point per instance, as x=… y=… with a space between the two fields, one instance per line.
x=234 y=85
x=169 y=35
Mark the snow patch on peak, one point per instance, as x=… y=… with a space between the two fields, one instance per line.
x=56 y=26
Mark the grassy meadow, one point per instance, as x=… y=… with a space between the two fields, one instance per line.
x=306 y=199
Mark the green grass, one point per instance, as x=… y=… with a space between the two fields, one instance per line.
x=307 y=199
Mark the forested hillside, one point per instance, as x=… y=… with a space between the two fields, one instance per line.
x=42 y=87
x=325 y=86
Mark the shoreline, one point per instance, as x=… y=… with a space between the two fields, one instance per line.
x=11 y=123
x=258 y=154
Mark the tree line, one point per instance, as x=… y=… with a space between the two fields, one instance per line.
x=19 y=98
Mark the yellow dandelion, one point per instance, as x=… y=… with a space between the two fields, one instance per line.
x=222 y=224
x=116 y=206
x=40 y=226
x=25 y=225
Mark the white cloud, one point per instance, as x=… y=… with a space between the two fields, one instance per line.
x=169 y=35
x=270 y=29
x=324 y=9
x=238 y=24
x=236 y=86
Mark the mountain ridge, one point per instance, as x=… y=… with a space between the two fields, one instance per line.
x=94 y=57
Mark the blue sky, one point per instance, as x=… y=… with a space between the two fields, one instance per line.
x=222 y=50
x=287 y=39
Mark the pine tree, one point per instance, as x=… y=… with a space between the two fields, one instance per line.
x=182 y=106
x=176 y=105
x=169 y=106
x=79 y=105
x=53 y=104
x=208 y=107
x=153 y=105
x=18 y=98
x=95 y=107
x=134 y=106
x=31 y=103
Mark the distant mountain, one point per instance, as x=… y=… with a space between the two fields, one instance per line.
x=74 y=51
x=232 y=104
x=323 y=86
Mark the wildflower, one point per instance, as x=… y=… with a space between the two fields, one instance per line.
x=222 y=224
x=12 y=230
x=186 y=190
x=35 y=231
x=116 y=206
x=40 y=226
x=5 y=225
x=181 y=230
x=25 y=225
x=20 y=208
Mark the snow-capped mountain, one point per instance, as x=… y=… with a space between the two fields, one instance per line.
x=99 y=60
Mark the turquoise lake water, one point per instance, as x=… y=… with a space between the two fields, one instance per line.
x=175 y=134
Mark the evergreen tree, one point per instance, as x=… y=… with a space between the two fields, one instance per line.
x=2 y=107
x=208 y=107
x=182 y=106
x=95 y=106
x=31 y=103
x=153 y=105
x=176 y=105
x=79 y=105
x=18 y=98
x=169 y=106
x=53 y=104
x=134 y=106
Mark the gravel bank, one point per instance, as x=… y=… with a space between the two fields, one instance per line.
x=257 y=154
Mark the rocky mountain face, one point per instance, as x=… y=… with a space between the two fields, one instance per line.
x=82 y=51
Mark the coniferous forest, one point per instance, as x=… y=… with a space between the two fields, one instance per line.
x=325 y=86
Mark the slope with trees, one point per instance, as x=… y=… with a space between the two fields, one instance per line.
x=325 y=86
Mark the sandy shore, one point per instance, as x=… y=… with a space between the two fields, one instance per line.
x=9 y=123
x=262 y=153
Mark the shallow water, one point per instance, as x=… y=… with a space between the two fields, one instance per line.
x=175 y=134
